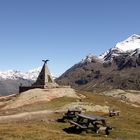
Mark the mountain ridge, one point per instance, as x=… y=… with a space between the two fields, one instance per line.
x=118 y=67
x=129 y=45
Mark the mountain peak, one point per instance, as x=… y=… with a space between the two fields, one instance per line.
x=131 y=43
x=134 y=36
x=91 y=58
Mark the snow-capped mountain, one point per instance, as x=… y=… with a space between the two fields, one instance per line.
x=15 y=75
x=11 y=80
x=118 y=67
x=132 y=43
x=131 y=46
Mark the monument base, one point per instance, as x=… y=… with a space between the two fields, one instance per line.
x=49 y=85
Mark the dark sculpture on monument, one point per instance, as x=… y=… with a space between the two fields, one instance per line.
x=45 y=61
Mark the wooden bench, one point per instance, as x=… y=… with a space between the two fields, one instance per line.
x=104 y=128
x=71 y=114
x=101 y=126
x=114 y=113
x=77 y=125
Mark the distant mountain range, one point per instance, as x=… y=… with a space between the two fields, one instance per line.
x=15 y=75
x=118 y=67
x=11 y=80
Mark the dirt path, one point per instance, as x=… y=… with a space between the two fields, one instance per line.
x=26 y=116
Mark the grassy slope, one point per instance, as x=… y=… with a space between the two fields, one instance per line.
x=52 y=105
x=127 y=124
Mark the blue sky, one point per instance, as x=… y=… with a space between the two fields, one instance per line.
x=63 y=31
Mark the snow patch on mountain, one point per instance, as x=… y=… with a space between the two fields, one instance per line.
x=131 y=43
x=91 y=58
x=136 y=52
x=32 y=74
x=108 y=55
x=14 y=74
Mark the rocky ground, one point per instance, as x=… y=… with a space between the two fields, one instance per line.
x=128 y=96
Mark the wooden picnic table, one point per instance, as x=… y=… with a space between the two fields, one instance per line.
x=71 y=114
x=91 y=122
x=91 y=117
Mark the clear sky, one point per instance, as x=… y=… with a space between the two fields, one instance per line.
x=63 y=31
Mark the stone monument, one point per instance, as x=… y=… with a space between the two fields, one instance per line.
x=44 y=80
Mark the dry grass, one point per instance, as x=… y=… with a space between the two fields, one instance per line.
x=52 y=105
x=127 y=125
x=41 y=131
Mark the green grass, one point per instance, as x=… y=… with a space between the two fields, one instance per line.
x=127 y=125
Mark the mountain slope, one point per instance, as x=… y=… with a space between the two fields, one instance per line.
x=119 y=67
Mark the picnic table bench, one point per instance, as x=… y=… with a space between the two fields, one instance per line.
x=77 y=124
x=91 y=122
x=71 y=114
x=113 y=112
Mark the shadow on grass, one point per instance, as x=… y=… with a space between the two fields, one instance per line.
x=61 y=120
x=72 y=130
